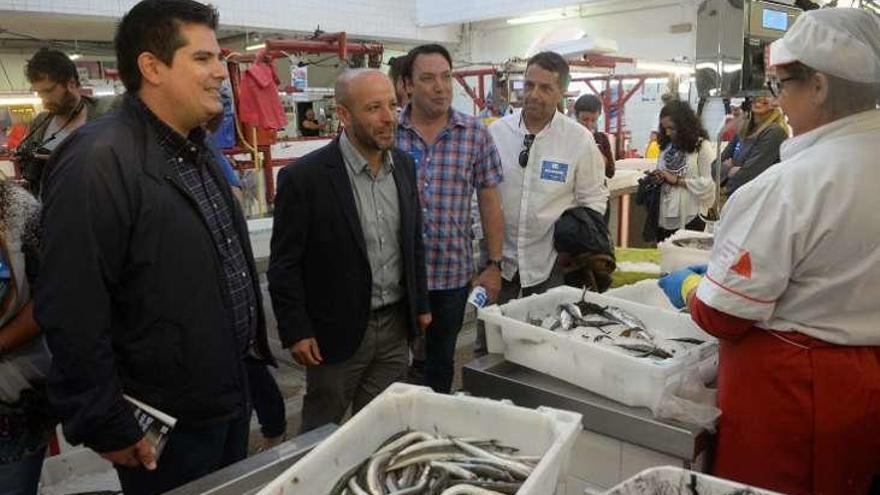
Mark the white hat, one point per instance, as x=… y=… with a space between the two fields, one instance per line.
x=842 y=42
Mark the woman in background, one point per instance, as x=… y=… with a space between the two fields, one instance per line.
x=684 y=169
x=25 y=423
x=756 y=146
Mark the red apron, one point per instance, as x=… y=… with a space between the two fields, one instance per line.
x=799 y=415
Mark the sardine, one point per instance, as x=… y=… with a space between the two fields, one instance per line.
x=633 y=323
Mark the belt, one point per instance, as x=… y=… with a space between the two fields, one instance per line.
x=387 y=308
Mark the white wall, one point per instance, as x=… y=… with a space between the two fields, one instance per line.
x=379 y=19
x=14 y=62
x=434 y=13
x=640 y=27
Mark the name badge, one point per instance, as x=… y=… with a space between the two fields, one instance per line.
x=554 y=171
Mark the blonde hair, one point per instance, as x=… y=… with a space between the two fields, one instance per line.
x=776 y=117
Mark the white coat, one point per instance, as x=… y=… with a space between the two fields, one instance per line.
x=680 y=205
x=798 y=248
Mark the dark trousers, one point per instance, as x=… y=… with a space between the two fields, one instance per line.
x=511 y=289
x=380 y=360
x=447 y=311
x=191 y=453
x=696 y=224
x=267 y=400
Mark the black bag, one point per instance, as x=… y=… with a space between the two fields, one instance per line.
x=648 y=195
x=583 y=234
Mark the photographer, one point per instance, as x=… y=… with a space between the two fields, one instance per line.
x=53 y=77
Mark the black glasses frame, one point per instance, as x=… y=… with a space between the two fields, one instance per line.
x=528 y=140
x=775 y=85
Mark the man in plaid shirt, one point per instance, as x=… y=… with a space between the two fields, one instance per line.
x=454 y=156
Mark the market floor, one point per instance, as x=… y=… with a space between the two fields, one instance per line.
x=291 y=377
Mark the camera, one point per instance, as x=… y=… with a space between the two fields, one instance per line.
x=31 y=164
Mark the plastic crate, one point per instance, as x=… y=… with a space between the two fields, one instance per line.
x=673 y=257
x=542 y=431
x=628 y=379
x=669 y=480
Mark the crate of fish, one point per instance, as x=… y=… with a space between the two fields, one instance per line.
x=410 y=440
x=646 y=292
x=685 y=248
x=623 y=350
x=669 y=480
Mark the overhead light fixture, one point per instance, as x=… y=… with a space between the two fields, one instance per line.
x=19 y=100
x=665 y=67
x=75 y=56
x=258 y=46
x=547 y=16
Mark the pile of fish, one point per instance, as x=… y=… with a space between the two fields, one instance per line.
x=416 y=462
x=704 y=243
x=611 y=326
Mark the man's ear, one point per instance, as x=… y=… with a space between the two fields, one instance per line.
x=151 y=68
x=819 y=89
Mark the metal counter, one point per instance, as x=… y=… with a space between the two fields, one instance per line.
x=255 y=472
x=492 y=376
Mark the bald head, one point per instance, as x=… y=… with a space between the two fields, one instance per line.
x=367 y=107
x=352 y=83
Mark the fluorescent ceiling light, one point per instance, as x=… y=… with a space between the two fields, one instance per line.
x=258 y=46
x=19 y=100
x=75 y=56
x=665 y=67
x=538 y=17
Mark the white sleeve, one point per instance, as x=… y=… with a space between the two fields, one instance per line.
x=590 y=189
x=756 y=242
x=702 y=186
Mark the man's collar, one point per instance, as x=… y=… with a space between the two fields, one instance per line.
x=454 y=119
x=170 y=139
x=355 y=160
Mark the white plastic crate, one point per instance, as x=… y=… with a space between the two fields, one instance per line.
x=673 y=257
x=628 y=379
x=542 y=431
x=669 y=480
x=645 y=292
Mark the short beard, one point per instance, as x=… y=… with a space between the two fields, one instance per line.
x=366 y=139
x=67 y=105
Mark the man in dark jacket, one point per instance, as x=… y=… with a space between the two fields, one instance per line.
x=53 y=77
x=347 y=269
x=147 y=285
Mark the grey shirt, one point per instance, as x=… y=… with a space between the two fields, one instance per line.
x=379 y=213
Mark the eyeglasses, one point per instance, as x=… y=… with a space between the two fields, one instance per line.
x=775 y=85
x=42 y=93
x=527 y=147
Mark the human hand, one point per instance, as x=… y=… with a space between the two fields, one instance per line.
x=490 y=279
x=678 y=284
x=424 y=321
x=306 y=352
x=140 y=454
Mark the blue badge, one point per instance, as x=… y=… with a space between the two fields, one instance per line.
x=554 y=171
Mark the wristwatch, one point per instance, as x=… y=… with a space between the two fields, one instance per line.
x=496 y=263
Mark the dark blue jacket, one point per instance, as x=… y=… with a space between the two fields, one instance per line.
x=131 y=293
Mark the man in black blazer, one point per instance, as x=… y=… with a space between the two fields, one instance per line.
x=347 y=269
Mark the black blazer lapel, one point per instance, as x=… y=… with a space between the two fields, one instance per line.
x=342 y=187
x=404 y=194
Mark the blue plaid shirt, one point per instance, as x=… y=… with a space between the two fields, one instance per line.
x=191 y=157
x=461 y=160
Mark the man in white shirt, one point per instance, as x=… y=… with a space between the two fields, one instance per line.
x=550 y=164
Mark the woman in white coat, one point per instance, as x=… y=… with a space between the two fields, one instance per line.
x=685 y=169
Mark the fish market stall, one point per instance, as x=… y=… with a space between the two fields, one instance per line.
x=685 y=248
x=622 y=365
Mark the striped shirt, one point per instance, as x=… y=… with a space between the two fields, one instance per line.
x=461 y=160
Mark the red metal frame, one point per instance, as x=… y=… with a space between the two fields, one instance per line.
x=336 y=43
x=479 y=96
x=620 y=104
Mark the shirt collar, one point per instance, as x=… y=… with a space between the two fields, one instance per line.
x=170 y=140
x=554 y=121
x=355 y=161
x=860 y=122
x=456 y=119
